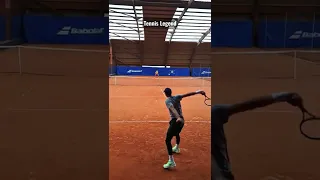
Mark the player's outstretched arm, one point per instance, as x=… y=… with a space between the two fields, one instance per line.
x=258 y=102
x=193 y=93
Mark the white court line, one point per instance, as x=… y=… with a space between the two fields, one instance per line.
x=136 y=96
x=308 y=61
x=142 y=96
x=274 y=111
x=56 y=109
x=157 y=122
x=104 y=110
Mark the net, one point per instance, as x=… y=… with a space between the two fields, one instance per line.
x=308 y=64
x=266 y=65
x=254 y=65
x=9 y=60
x=49 y=61
x=160 y=81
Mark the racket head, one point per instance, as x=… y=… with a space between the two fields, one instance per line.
x=310 y=126
x=207 y=100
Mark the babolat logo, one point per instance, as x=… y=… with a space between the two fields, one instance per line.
x=300 y=34
x=171 y=72
x=205 y=72
x=69 y=30
x=134 y=71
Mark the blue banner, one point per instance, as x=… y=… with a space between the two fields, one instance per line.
x=150 y=71
x=201 y=72
x=2 y=28
x=66 y=30
x=129 y=70
x=290 y=34
x=231 y=34
x=16 y=27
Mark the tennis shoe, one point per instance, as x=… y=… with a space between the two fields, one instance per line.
x=175 y=149
x=169 y=164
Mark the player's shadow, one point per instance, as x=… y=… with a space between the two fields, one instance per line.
x=171 y=169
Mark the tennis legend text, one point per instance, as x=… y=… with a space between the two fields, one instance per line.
x=159 y=23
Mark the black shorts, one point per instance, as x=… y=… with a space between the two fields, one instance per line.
x=219 y=151
x=174 y=128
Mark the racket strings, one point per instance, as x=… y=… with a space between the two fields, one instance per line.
x=207 y=100
x=305 y=120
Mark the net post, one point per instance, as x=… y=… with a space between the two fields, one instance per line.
x=202 y=79
x=265 y=31
x=313 y=26
x=19 y=60
x=295 y=65
x=285 y=30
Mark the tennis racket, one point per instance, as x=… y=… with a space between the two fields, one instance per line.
x=207 y=100
x=310 y=124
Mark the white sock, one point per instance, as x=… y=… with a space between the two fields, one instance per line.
x=171 y=158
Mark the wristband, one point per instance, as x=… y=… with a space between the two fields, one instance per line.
x=279 y=96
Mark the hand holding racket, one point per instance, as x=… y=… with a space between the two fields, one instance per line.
x=297 y=101
x=206 y=98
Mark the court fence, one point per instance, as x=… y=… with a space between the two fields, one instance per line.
x=163 y=71
x=52 y=61
x=38 y=60
x=284 y=30
x=289 y=64
x=160 y=81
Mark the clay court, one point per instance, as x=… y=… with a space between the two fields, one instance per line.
x=138 y=124
x=266 y=144
x=138 y=116
x=53 y=116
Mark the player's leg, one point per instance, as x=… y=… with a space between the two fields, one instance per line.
x=170 y=133
x=176 y=148
x=219 y=151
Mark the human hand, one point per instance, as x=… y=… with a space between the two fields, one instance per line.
x=295 y=100
x=201 y=92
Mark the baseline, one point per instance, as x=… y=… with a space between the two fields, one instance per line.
x=103 y=110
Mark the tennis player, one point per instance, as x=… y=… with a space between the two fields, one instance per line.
x=176 y=123
x=156 y=73
x=220 y=114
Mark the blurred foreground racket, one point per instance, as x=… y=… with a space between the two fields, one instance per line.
x=310 y=126
x=207 y=100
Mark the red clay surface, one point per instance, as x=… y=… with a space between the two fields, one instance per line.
x=53 y=127
x=137 y=147
x=266 y=144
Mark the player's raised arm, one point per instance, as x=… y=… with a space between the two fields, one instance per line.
x=193 y=93
x=262 y=101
